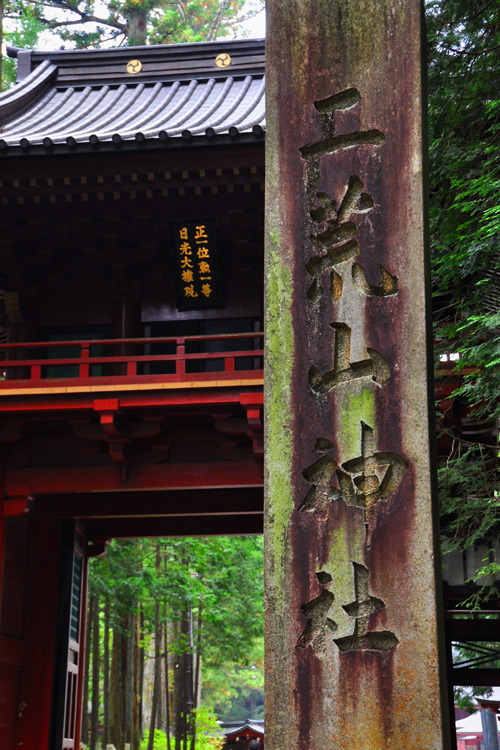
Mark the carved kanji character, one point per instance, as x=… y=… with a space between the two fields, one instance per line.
x=183 y=233
x=344 y=371
x=186 y=263
x=206 y=289
x=203 y=252
x=330 y=142
x=318 y=622
x=204 y=267
x=187 y=276
x=319 y=476
x=360 y=609
x=389 y=284
x=371 y=477
x=338 y=240
x=189 y=291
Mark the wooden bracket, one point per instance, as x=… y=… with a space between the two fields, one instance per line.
x=253 y=404
x=97 y=545
x=17 y=506
x=119 y=445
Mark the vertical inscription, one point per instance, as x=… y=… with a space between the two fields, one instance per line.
x=198 y=277
x=366 y=480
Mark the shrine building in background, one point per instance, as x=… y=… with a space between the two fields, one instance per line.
x=131 y=339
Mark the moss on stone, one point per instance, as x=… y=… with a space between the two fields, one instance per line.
x=279 y=447
x=356 y=407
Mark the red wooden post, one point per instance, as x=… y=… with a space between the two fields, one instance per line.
x=180 y=364
x=229 y=364
x=36 y=372
x=81 y=655
x=84 y=356
x=2 y=529
x=35 y=692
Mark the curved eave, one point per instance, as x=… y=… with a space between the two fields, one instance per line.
x=135 y=145
x=15 y=100
x=132 y=116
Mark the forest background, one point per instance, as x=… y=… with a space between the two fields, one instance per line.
x=192 y=609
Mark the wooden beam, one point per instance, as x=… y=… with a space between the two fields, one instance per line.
x=474 y=630
x=168 y=504
x=480 y=677
x=244 y=155
x=209 y=396
x=56 y=481
x=169 y=527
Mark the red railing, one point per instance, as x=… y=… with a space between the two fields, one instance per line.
x=117 y=365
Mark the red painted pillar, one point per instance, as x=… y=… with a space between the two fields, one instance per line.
x=42 y=589
x=2 y=527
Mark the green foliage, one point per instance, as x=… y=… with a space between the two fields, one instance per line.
x=86 y=23
x=469 y=474
x=464 y=119
x=464 y=696
x=23 y=34
x=464 y=114
x=159 y=742
x=464 y=170
x=208 y=735
x=218 y=579
x=236 y=691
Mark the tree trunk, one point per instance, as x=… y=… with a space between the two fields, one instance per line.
x=86 y=676
x=184 y=682
x=94 y=720
x=178 y=692
x=158 y=666
x=157 y=678
x=217 y=20
x=140 y=687
x=197 y=673
x=136 y=734
x=117 y=688
x=129 y=678
x=167 y=688
x=105 y=667
x=189 y=718
x=137 y=28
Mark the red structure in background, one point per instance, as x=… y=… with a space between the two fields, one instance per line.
x=132 y=386
x=239 y=737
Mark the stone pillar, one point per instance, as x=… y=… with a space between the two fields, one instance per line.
x=351 y=615
x=489 y=723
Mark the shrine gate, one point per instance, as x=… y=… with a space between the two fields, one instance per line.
x=131 y=259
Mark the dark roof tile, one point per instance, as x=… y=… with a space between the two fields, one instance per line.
x=44 y=110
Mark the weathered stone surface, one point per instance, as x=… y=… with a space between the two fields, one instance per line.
x=352 y=641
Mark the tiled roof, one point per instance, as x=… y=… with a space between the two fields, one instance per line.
x=257 y=727
x=73 y=99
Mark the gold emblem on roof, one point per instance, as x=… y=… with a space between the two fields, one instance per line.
x=223 y=60
x=134 y=66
